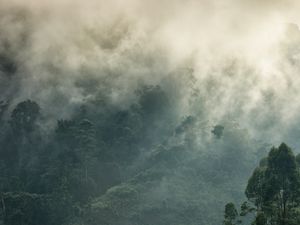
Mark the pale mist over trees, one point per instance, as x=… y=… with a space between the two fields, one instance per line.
x=149 y=113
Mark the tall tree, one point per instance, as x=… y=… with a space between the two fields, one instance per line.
x=274 y=188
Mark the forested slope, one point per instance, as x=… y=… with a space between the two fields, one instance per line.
x=114 y=171
x=144 y=112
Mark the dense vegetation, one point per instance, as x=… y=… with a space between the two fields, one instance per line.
x=109 y=166
x=273 y=192
x=112 y=115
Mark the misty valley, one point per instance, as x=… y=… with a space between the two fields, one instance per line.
x=149 y=113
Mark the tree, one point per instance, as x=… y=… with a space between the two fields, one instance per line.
x=254 y=190
x=24 y=116
x=77 y=151
x=21 y=142
x=218 y=131
x=274 y=188
x=230 y=214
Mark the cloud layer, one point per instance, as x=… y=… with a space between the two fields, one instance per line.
x=217 y=60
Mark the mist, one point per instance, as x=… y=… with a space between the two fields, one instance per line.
x=229 y=63
x=242 y=60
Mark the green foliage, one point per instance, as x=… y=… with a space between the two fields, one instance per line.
x=260 y=219
x=230 y=211
x=24 y=208
x=105 y=165
x=218 y=131
x=274 y=188
x=230 y=214
x=24 y=116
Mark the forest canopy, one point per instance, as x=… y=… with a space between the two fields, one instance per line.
x=157 y=112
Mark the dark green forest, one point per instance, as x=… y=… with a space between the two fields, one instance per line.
x=149 y=112
x=113 y=171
